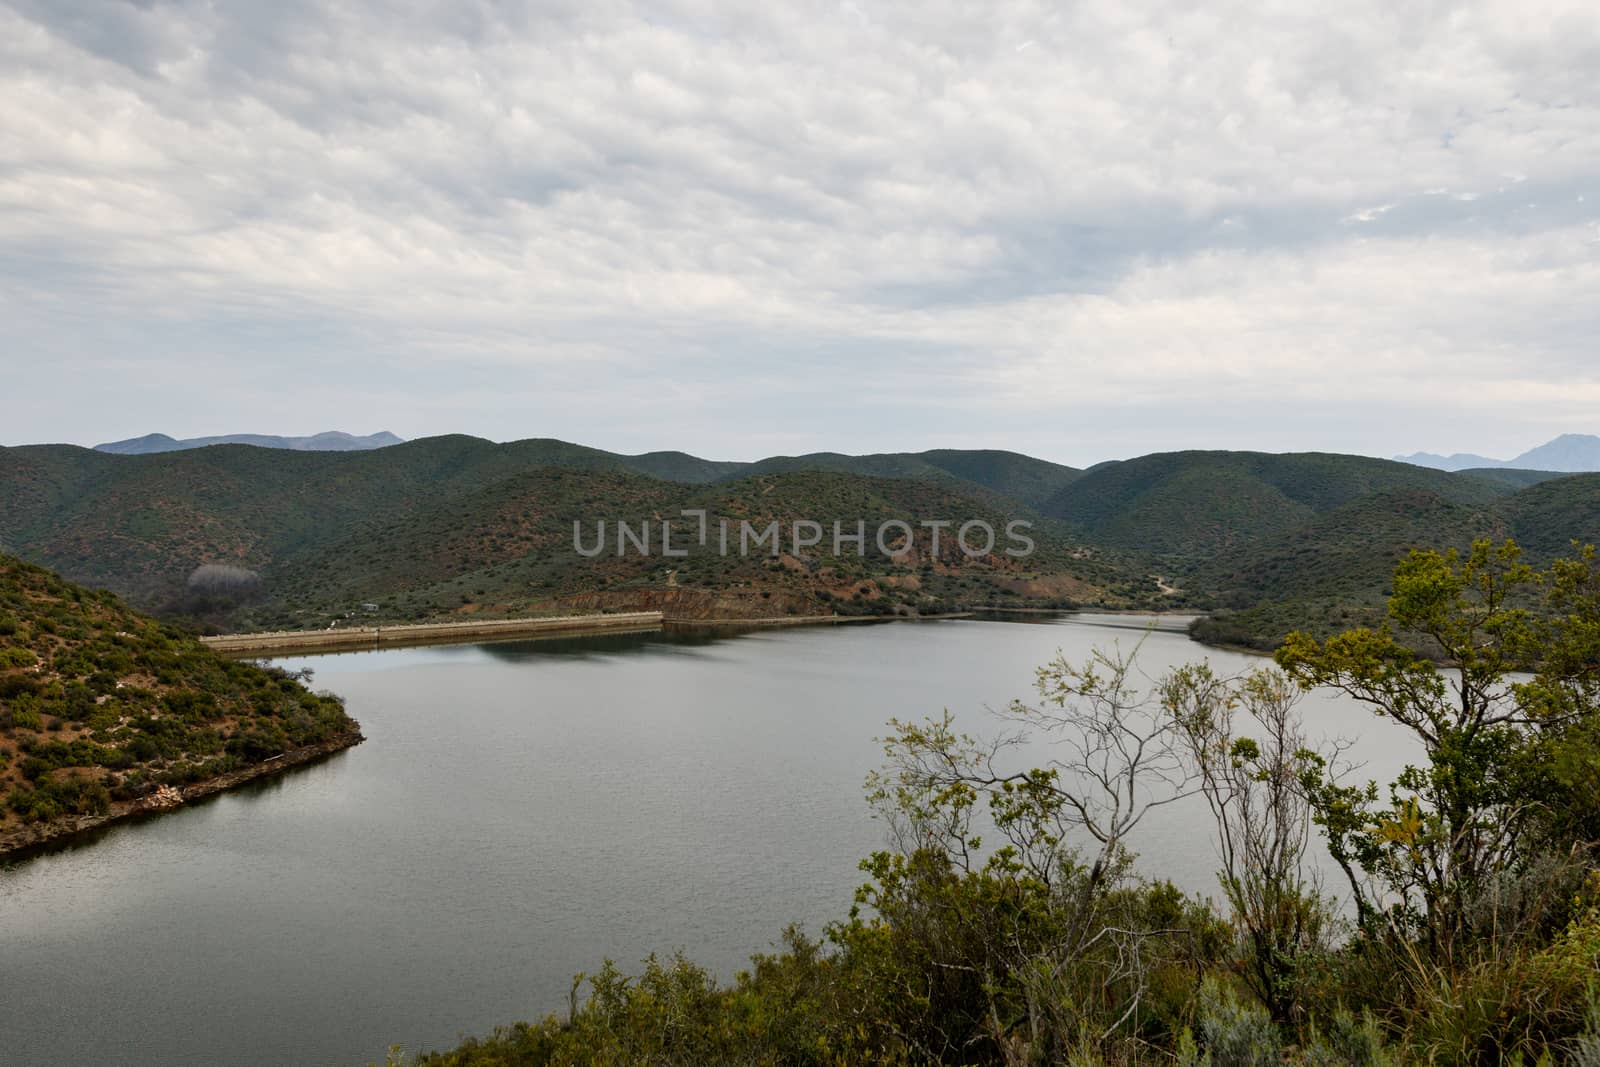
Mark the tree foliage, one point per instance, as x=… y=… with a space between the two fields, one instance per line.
x=1490 y=664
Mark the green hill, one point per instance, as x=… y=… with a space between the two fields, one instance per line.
x=1032 y=481
x=1333 y=572
x=458 y=525
x=1023 y=478
x=682 y=467
x=453 y=524
x=1547 y=517
x=140 y=524
x=101 y=707
x=1516 y=479
x=1186 y=507
x=508 y=549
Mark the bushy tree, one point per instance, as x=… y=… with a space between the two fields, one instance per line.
x=1491 y=665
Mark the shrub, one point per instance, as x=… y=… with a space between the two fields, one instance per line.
x=73 y=795
x=1232 y=1033
x=17 y=657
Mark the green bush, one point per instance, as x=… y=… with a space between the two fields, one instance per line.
x=17 y=657
x=73 y=795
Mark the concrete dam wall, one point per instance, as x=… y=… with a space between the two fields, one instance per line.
x=374 y=636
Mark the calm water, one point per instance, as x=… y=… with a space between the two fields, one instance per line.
x=519 y=812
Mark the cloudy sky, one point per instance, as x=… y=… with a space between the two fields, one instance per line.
x=1083 y=231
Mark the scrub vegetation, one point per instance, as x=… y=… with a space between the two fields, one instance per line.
x=1009 y=923
x=100 y=707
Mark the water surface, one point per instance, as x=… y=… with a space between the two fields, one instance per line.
x=519 y=812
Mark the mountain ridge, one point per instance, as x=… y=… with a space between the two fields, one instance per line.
x=327 y=441
x=1570 y=453
x=442 y=525
x=458 y=525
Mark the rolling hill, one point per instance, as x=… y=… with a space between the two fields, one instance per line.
x=508 y=549
x=457 y=523
x=1182 y=508
x=1333 y=572
x=1032 y=481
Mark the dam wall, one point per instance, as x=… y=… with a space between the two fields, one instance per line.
x=376 y=636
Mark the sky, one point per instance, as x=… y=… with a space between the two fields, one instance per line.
x=1078 y=230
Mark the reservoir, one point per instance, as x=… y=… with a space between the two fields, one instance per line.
x=519 y=812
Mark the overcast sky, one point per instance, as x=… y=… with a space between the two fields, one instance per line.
x=1082 y=231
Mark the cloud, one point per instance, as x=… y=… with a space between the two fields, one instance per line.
x=832 y=225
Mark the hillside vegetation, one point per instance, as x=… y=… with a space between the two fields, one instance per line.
x=101 y=707
x=456 y=524
x=508 y=549
x=1027 y=480
x=1332 y=572
x=1185 y=507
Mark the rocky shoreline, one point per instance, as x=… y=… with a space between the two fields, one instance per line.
x=20 y=841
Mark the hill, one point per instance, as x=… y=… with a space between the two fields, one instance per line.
x=106 y=713
x=682 y=467
x=1307 y=541
x=508 y=549
x=1547 y=517
x=1333 y=572
x=1031 y=481
x=330 y=441
x=1511 y=476
x=1182 y=508
x=455 y=524
x=139 y=525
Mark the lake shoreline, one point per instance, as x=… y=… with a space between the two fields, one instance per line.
x=806 y=620
x=281 y=644
x=23 y=842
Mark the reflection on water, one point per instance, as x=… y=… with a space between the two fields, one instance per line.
x=520 y=811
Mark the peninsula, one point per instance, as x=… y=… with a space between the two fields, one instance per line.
x=107 y=714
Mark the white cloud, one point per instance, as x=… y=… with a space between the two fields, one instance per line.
x=850 y=223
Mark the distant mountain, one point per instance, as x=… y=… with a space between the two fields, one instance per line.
x=1571 y=453
x=1459 y=461
x=332 y=441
